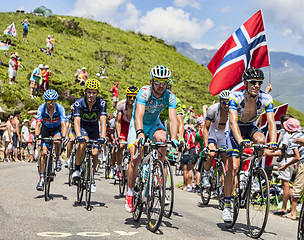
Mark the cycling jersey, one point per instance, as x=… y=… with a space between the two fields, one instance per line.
x=51 y=121
x=70 y=120
x=90 y=118
x=164 y=115
x=153 y=106
x=124 y=123
x=122 y=108
x=237 y=102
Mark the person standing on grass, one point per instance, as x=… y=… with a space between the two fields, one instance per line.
x=11 y=69
x=16 y=134
x=34 y=80
x=114 y=91
x=25 y=30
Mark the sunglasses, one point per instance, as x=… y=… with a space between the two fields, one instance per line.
x=164 y=82
x=50 y=101
x=254 y=82
x=131 y=97
x=225 y=103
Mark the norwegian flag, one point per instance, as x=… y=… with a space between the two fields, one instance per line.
x=247 y=47
x=278 y=111
x=11 y=30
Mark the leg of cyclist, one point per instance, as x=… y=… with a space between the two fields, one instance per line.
x=113 y=160
x=209 y=162
x=119 y=159
x=42 y=167
x=160 y=135
x=69 y=148
x=57 y=145
x=80 y=152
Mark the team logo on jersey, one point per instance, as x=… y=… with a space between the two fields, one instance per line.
x=151 y=102
x=76 y=104
x=87 y=116
x=171 y=99
x=103 y=103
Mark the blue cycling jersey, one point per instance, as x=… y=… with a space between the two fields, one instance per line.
x=51 y=121
x=90 y=117
x=237 y=102
x=153 y=106
x=70 y=119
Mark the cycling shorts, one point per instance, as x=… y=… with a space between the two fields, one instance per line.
x=247 y=132
x=92 y=132
x=49 y=132
x=149 y=129
x=217 y=137
x=124 y=129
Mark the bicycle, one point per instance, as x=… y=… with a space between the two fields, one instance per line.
x=178 y=166
x=216 y=179
x=149 y=189
x=109 y=147
x=71 y=167
x=252 y=192
x=86 y=179
x=50 y=165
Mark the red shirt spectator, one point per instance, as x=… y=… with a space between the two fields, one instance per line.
x=114 y=90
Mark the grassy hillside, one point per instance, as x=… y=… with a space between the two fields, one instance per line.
x=82 y=42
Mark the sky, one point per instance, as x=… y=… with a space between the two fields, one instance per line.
x=202 y=23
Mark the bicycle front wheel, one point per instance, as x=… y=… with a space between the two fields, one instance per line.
x=156 y=196
x=257 y=205
x=47 y=177
x=88 y=182
x=71 y=168
x=234 y=211
x=300 y=235
x=137 y=199
x=107 y=166
x=220 y=185
x=205 y=191
x=122 y=183
x=169 y=188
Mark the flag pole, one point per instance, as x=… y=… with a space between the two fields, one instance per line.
x=267 y=49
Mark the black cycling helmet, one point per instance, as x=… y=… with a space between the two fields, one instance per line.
x=253 y=73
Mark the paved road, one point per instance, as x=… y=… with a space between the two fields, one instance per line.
x=25 y=215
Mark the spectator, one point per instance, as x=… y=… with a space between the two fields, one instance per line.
x=295 y=150
x=83 y=75
x=8 y=138
x=2 y=125
x=25 y=29
x=24 y=138
x=11 y=69
x=16 y=65
x=34 y=80
x=76 y=75
x=30 y=145
x=33 y=122
x=46 y=73
x=48 y=45
x=16 y=134
x=114 y=91
x=52 y=44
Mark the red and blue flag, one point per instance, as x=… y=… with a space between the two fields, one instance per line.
x=247 y=47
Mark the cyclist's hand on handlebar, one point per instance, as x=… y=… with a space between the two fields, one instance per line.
x=65 y=140
x=140 y=140
x=246 y=143
x=175 y=143
x=205 y=150
x=273 y=145
x=80 y=139
x=117 y=140
x=101 y=140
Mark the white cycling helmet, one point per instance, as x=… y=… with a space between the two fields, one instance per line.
x=224 y=94
x=160 y=72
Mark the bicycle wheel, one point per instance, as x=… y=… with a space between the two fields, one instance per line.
x=205 y=191
x=234 y=211
x=137 y=200
x=80 y=188
x=156 y=195
x=122 y=183
x=169 y=188
x=300 y=235
x=107 y=166
x=88 y=181
x=220 y=185
x=48 y=176
x=257 y=205
x=71 y=168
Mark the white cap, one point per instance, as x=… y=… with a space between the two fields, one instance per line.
x=1 y=110
x=40 y=66
x=25 y=120
x=83 y=68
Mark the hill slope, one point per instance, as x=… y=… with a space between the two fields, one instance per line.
x=84 y=42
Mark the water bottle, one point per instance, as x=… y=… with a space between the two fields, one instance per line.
x=242 y=182
x=145 y=172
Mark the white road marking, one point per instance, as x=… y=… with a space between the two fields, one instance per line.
x=123 y=233
x=54 y=234
x=93 y=234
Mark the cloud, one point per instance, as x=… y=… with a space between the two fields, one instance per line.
x=186 y=3
x=174 y=24
x=285 y=15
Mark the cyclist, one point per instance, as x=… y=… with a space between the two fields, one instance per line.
x=245 y=106
x=214 y=131
x=50 y=122
x=71 y=131
x=150 y=102
x=124 y=114
x=88 y=111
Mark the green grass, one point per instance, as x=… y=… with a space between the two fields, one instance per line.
x=79 y=42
